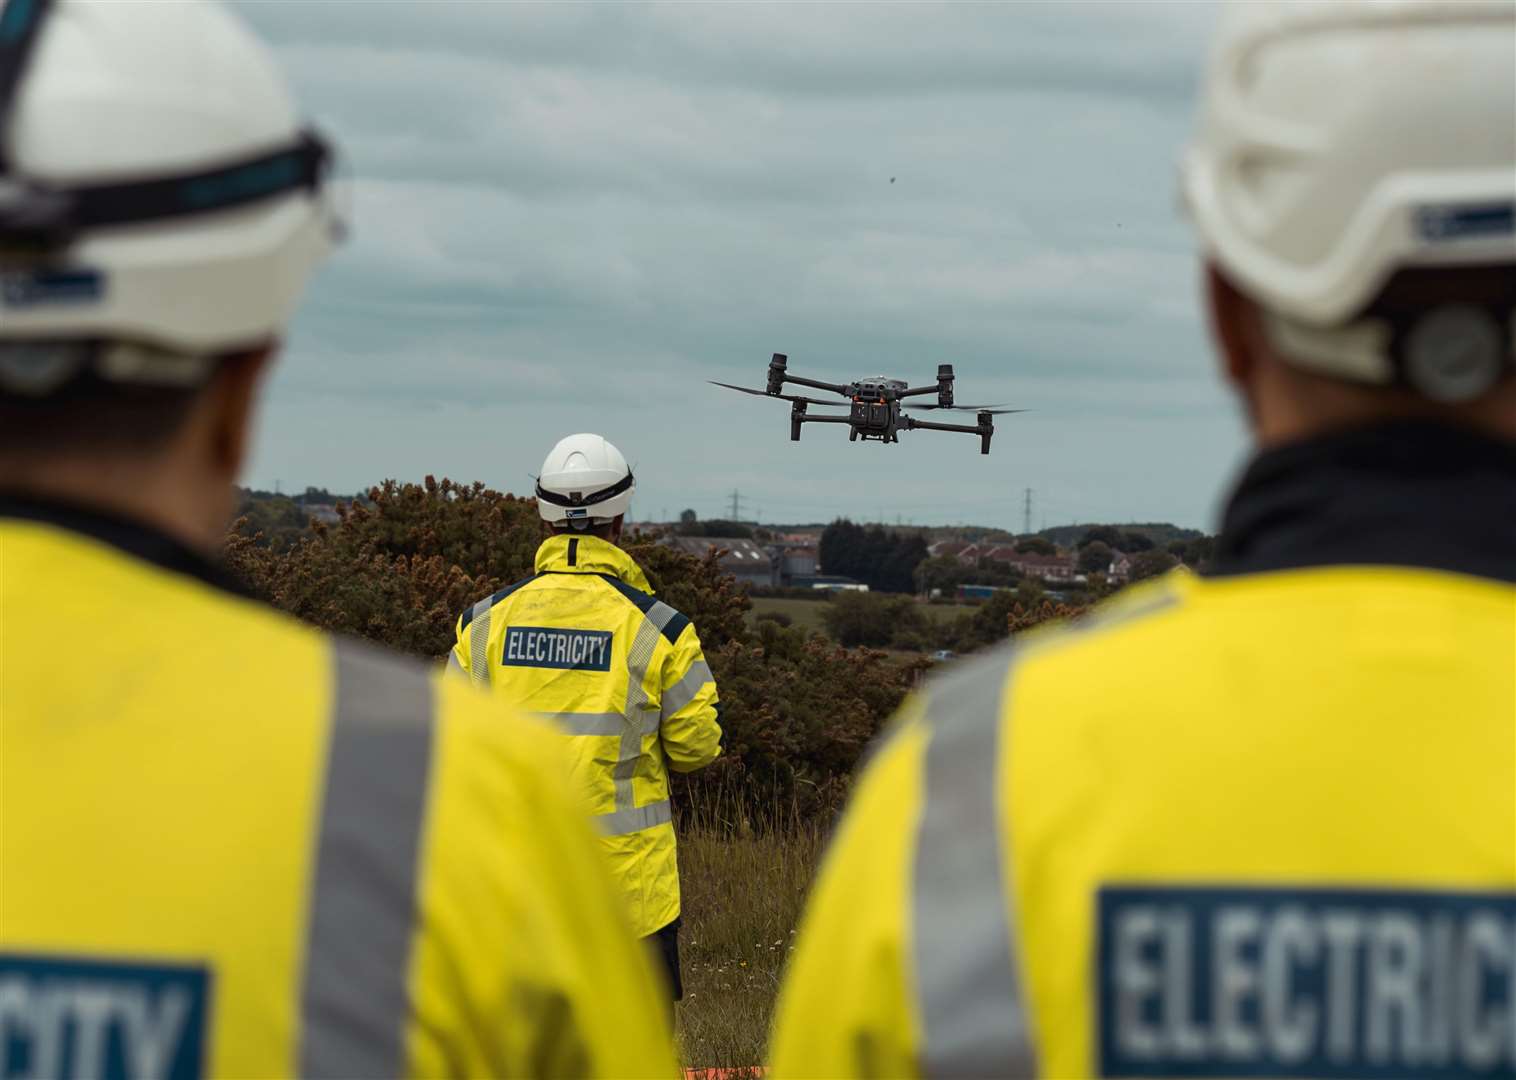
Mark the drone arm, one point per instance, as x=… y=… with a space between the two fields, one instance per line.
x=928 y=425
x=805 y=418
x=814 y=385
x=918 y=391
x=985 y=429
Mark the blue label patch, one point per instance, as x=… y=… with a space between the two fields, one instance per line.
x=1330 y=983
x=92 y=1018
x=1466 y=221
x=24 y=288
x=550 y=647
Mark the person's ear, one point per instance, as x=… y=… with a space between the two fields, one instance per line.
x=616 y=527
x=234 y=405
x=1231 y=317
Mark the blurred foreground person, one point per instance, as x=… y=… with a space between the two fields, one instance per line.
x=232 y=846
x=1261 y=823
x=583 y=642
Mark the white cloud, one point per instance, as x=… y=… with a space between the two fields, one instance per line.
x=569 y=215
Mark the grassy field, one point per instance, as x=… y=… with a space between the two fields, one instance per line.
x=806 y=614
x=743 y=895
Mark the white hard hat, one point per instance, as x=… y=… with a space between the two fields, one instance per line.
x=585 y=480
x=156 y=185
x=1341 y=142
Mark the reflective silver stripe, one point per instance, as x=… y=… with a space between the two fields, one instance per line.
x=683 y=692
x=355 y=1000
x=640 y=720
x=584 y=723
x=972 y=1017
x=479 y=642
x=621 y=822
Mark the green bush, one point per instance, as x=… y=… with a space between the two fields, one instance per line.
x=797 y=712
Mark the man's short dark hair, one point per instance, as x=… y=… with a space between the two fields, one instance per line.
x=91 y=415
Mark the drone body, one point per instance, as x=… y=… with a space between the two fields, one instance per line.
x=876 y=408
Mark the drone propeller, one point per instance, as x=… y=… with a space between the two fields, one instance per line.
x=992 y=410
x=784 y=397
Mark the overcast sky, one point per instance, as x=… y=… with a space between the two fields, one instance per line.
x=568 y=217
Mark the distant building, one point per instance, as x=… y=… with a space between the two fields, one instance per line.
x=743 y=559
x=1046 y=567
x=949 y=549
x=795 y=556
x=971 y=555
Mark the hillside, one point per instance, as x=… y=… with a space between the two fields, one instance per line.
x=1161 y=533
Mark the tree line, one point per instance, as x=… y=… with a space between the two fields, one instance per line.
x=399 y=567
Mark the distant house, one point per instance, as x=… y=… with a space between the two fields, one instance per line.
x=971 y=555
x=742 y=558
x=1121 y=567
x=1046 y=567
x=948 y=549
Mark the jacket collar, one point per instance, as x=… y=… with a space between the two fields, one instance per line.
x=568 y=554
x=131 y=537
x=1400 y=494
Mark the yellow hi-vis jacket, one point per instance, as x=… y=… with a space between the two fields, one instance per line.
x=1260 y=823
x=621 y=674
x=233 y=846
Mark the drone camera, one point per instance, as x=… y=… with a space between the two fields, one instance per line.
x=777 y=364
x=945 y=385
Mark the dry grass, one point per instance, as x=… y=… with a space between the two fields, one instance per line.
x=744 y=890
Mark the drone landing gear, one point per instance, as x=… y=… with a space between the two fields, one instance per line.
x=797 y=416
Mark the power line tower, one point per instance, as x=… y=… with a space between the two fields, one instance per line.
x=736 y=505
x=1026 y=514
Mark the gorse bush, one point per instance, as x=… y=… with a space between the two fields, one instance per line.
x=797 y=711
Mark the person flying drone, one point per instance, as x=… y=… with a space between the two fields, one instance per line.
x=584 y=643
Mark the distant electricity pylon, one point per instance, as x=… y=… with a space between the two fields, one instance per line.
x=1026 y=514
x=736 y=505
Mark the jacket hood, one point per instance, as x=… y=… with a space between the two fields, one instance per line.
x=567 y=554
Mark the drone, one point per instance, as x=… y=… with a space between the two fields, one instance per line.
x=875 y=407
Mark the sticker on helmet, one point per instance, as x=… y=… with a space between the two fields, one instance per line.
x=30 y=288
x=1466 y=221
